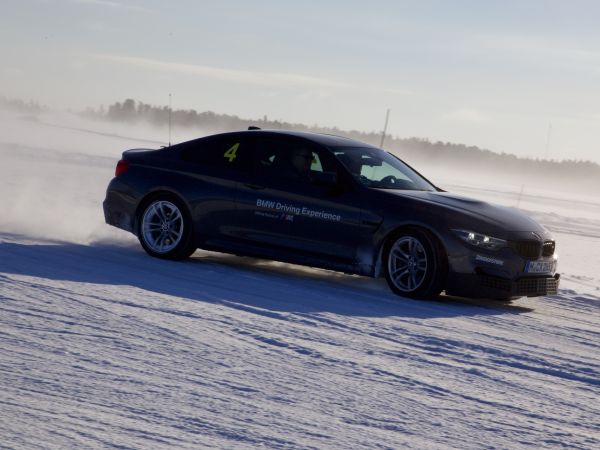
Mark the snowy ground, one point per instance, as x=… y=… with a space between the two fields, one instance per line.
x=104 y=347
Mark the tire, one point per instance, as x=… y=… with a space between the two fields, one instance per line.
x=165 y=228
x=415 y=264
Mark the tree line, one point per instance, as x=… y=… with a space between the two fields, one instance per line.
x=21 y=106
x=412 y=149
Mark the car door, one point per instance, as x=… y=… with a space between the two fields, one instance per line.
x=214 y=167
x=295 y=212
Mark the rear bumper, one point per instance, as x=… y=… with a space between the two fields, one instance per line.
x=116 y=213
x=480 y=285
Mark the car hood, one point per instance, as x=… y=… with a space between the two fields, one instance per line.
x=464 y=211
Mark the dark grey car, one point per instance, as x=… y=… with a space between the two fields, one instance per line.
x=331 y=202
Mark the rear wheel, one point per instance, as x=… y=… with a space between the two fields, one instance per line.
x=165 y=228
x=415 y=264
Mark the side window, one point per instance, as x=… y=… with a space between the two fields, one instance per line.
x=222 y=151
x=288 y=159
x=382 y=171
x=268 y=151
x=316 y=165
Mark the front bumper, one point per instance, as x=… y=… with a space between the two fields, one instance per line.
x=481 y=285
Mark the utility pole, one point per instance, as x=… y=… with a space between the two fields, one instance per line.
x=520 y=195
x=548 y=139
x=387 y=117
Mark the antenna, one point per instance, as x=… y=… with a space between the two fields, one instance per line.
x=169 y=119
x=387 y=117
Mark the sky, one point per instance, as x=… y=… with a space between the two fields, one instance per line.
x=519 y=77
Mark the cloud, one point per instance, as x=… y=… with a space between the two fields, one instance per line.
x=12 y=71
x=112 y=4
x=236 y=75
x=466 y=115
x=394 y=91
x=258 y=78
x=539 y=47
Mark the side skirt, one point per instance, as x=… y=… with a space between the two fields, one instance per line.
x=284 y=255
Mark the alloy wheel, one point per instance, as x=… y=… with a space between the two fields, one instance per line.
x=407 y=264
x=162 y=226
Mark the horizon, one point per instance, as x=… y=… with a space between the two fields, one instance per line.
x=410 y=142
x=509 y=77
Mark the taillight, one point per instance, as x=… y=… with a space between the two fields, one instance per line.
x=121 y=168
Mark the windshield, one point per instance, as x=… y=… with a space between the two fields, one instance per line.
x=376 y=168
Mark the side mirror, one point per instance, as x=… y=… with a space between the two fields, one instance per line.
x=325 y=179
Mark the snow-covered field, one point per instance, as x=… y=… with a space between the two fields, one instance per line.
x=102 y=346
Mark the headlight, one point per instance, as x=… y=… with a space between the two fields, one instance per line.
x=480 y=240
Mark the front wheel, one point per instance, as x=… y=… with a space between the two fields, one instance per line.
x=165 y=229
x=415 y=265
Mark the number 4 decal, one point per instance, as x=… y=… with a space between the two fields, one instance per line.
x=232 y=152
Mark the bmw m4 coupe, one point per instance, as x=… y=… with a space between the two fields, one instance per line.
x=331 y=202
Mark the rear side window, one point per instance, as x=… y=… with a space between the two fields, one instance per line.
x=222 y=151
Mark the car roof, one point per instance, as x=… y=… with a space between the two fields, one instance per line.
x=329 y=140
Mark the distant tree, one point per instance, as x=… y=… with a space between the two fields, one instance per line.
x=439 y=153
x=21 y=106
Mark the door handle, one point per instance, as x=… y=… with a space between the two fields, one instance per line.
x=255 y=187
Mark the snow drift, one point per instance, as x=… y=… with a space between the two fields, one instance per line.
x=102 y=346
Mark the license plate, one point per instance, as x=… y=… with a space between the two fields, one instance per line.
x=539 y=267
